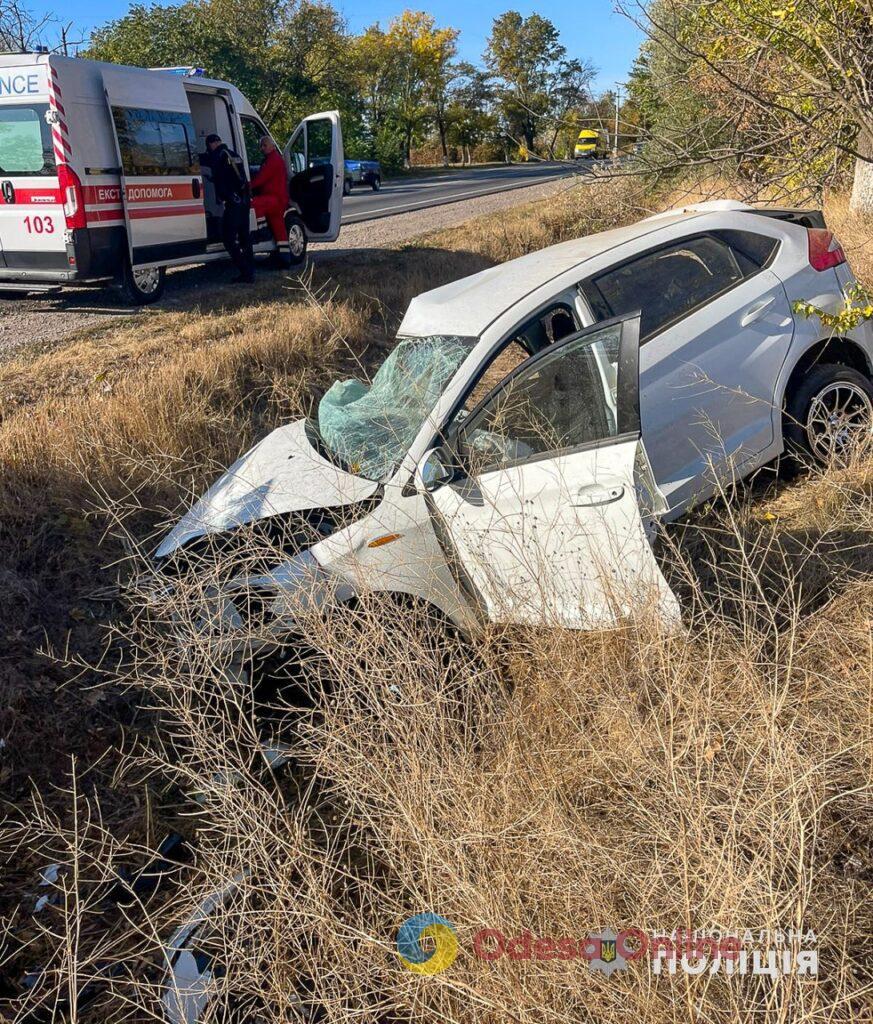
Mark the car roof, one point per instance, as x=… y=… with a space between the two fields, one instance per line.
x=468 y=306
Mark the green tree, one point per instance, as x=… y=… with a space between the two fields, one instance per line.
x=284 y=55
x=469 y=115
x=419 y=56
x=523 y=54
x=786 y=86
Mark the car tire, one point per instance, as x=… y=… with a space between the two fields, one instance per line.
x=142 y=287
x=829 y=410
x=347 y=187
x=297 y=240
x=376 y=183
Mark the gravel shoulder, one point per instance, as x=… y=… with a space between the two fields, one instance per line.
x=41 y=324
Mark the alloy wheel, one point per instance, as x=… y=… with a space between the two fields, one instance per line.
x=838 y=418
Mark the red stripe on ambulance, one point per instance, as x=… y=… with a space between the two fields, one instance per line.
x=167 y=211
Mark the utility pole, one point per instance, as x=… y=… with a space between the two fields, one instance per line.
x=617 y=105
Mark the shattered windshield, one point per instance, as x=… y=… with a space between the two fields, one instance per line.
x=369 y=428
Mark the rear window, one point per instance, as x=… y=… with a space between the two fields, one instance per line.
x=155 y=141
x=26 y=141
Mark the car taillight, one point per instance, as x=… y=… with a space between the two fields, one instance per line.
x=72 y=196
x=824 y=250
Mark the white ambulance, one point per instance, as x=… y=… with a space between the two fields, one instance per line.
x=100 y=179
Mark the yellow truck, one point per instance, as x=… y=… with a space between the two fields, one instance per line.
x=591 y=143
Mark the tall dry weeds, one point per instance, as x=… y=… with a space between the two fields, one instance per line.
x=543 y=781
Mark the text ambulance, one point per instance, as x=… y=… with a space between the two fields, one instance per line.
x=100 y=178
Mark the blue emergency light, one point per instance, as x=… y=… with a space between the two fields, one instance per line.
x=185 y=72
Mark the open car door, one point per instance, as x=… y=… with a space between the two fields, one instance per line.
x=541 y=521
x=316 y=169
x=161 y=184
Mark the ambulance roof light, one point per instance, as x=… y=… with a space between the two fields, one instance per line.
x=187 y=72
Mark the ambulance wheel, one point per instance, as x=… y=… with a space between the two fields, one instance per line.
x=141 y=287
x=376 y=183
x=296 y=238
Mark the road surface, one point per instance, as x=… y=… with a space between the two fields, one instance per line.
x=46 y=320
x=403 y=194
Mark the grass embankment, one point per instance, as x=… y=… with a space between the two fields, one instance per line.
x=559 y=783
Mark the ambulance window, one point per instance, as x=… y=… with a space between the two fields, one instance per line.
x=297 y=153
x=25 y=141
x=320 y=141
x=155 y=141
x=253 y=131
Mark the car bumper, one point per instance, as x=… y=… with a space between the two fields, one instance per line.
x=256 y=611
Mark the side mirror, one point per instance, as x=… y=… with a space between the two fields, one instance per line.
x=436 y=469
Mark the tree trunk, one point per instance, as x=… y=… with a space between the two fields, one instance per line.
x=441 y=124
x=862 y=189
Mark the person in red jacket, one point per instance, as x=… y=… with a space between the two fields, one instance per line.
x=270 y=197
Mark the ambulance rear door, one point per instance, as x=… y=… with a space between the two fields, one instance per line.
x=31 y=208
x=161 y=183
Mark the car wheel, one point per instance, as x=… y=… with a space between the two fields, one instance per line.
x=830 y=412
x=140 y=287
x=296 y=238
x=376 y=183
x=347 y=187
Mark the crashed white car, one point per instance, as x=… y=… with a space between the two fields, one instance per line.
x=535 y=418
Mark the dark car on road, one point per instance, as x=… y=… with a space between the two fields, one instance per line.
x=362 y=172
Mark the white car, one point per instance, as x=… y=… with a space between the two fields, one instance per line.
x=534 y=418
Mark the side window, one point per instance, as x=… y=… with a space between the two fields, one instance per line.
x=297 y=153
x=547 y=327
x=562 y=401
x=753 y=251
x=319 y=141
x=666 y=284
x=155 y=141
x=253 y=131
x=509 y=358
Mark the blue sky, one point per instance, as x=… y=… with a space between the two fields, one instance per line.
x=590 y=29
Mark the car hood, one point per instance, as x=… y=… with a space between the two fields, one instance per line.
x=283 y=473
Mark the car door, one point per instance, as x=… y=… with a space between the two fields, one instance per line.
x=316 y=169
x=32 y=220
x=716 y=329
x=540 y=521
x=161 y=183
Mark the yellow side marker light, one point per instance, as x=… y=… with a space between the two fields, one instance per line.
x=388 y=538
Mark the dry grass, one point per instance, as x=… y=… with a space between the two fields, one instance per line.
x=546 y=781
x=543 y=781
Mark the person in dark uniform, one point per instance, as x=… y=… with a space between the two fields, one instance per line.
x=232 y=189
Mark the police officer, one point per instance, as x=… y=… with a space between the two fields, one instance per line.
x=232 y=189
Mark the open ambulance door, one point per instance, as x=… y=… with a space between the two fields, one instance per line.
x=161 y=183
x=316 y=169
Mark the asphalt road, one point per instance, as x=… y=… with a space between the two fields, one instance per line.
x=400 y=195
